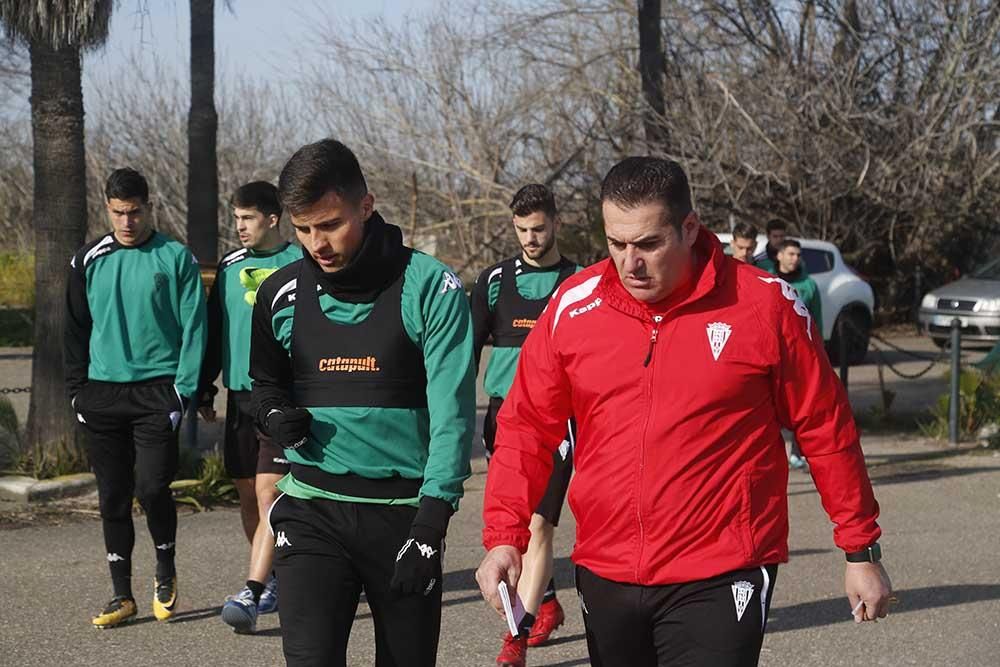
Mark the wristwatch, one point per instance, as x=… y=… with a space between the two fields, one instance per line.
x=872 y=554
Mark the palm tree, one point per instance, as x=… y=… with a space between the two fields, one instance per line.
x=203 y=178
x=651 y=65
x=55 y=31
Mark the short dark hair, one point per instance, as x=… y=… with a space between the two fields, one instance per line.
x=744 y=230
x=126 y=183
x=642 y=180
x=260 y=195
x=789 y=243
x=319 y=168
x=532 y=198
x=775 y=224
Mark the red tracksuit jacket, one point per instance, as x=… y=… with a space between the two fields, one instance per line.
x=680 y=464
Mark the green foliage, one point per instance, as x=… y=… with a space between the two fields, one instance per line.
x=979 y=405
x=17 y=298
x=10 y=439
x=16 y=328
x=38 y=461
x=17 y=280
x=48 y=461
x=211 y=487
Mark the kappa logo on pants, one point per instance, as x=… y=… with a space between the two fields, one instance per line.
x=564 y=449
x=281 y=541
x=742 y=592
x=425 y=549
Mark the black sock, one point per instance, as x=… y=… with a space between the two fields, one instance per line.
x=550 y=591
x=119 y=538
x=122 y=585
x=524 y=627
x=256 y=588
x=165 y=568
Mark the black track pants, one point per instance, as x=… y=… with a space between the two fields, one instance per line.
x=327 y=552
x=130 y=433
x=717 y=622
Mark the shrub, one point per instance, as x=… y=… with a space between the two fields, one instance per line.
x=212 y=486
x=17 y=280
x=979 y=405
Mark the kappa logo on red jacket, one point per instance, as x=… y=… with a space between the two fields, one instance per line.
x=792 y=295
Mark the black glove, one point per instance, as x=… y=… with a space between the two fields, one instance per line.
x=206 y=397
x=418 y=563
x=289 y=427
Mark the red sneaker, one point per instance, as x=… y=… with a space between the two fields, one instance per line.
x=514 y=652
x=550 y=616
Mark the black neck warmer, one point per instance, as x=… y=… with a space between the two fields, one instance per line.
x=379 y=261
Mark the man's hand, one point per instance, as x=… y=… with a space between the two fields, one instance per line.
x=868 y=590
x=418 y=563
x=502 y=563
x=206 y=406
x=289 y=427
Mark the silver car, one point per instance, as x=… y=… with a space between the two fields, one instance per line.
x=974 y=300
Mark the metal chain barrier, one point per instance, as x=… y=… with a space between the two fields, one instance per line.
x=14 y=390
x=882 y=360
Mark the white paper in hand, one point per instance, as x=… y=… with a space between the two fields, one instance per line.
x=514 y=613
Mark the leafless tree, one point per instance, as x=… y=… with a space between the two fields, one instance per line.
x=869 y=124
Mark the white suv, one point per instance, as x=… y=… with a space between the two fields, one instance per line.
x=844 y=294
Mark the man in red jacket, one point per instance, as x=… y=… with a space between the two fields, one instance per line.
x=681 y=366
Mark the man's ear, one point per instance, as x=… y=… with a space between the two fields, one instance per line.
x=689 y=228
x=274 y=221
x=367 y=205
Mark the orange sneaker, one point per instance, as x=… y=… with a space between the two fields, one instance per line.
x=514 y=652
x=550 y=616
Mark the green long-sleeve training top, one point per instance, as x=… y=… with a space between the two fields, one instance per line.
x=431 y=443
x=134 y=313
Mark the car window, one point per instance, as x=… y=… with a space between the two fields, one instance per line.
x=989 y=272
x=817 y=261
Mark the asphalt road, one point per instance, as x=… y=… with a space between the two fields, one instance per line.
x=940 y=513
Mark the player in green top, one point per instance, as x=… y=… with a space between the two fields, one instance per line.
x=252 y=460
x=506 y=300
x=361 y=359
x=788 y=266
x=134 y=340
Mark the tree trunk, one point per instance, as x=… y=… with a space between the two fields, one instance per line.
x=203 y=177
x=652 y=63
x=59 y=217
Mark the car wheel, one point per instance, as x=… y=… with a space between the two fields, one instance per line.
x=857 y=329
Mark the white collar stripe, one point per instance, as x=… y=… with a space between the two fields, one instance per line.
x=97 y=249
x=285 y=289
x=571 y=296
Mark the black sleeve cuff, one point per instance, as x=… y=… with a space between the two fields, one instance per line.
x=434 y=513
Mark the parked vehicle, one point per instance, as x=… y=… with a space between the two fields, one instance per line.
x=973 y=299
x=846 y=297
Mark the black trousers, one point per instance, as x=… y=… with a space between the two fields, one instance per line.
x=326 y=553
x=717 y=622
x=130 y=434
